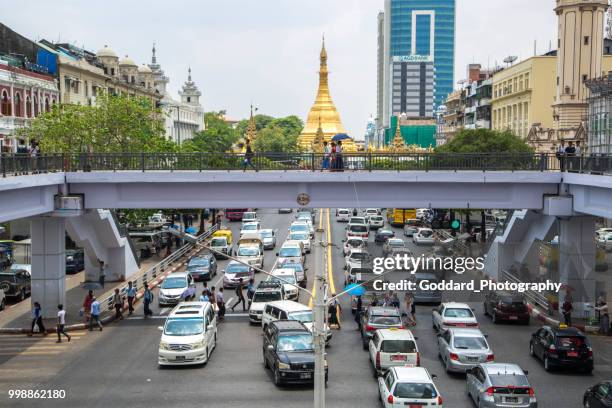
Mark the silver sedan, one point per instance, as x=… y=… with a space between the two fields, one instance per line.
x=493 y=385
x=462 y=349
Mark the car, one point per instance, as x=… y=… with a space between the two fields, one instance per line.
x=356 y=258
x=343 y=215
x=285 y=210
x=562 y=347
x=24 y=267
x=221 y=244
x=506 y=306
x=2 y=299
x=304 y=216
x=289 y=281
x=453 y=314
x=462 y=349
x=75 y=260
x=202 y=267
x=382 y=235
x=391 y=348
x=235 y=214
x=249 y=216
x=376 y=221
x=234 y=271
x=605 y=242
x=426 y=295
x=354 y=242
x=290 y=310
x=369 y=212
x=16 y=284
x=392 y=244
x=302 y=226
x=357 y=220
x=250 y=227
x=265 y=292
x=423 y=213
x=288 y=351
x=189 y=335
x=492 y=385
x=408 y=387
x=423 y=236
x=303 y=237
x=602 y=232
x=298 y=268
x=268 y=237
x=599 y=395
x=411 y=226
x=357 y=231
x=291 y=251
x=379 y=317
x=176 y=287
x=358 y=273
x=250 y=254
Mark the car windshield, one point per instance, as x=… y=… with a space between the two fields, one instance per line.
x=248 y=251
x=426 y=233
x=355 y=242
x=290 y=251
x=304 y=316
x=249 y=216
x=415 y=390
x=199 y=262
x=395 y=243
x=266 y=296
x=285 y=279
x=174 y=283
x=470 y=343
x=358 y=228
x=304 y=216
x=385 y=320
x=398 y=346
x=298 y=268
x=512 y=302
x=571 y=341
x=298 y=237
x=250 y=227
x=266 y=233
x=508 y=380
x=236 y=268
x=216 y=242
x=7 y=277
x=295 y=342
x=184 y=327
x=299 y=228
x=455 y=312
x=360 y=256
x=357 y=220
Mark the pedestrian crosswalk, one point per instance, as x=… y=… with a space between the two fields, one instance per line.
x=37 y=345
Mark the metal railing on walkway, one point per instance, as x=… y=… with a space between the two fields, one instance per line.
x=23 y=164
x=535 y=297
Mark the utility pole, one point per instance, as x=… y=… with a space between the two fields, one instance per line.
x=319 y=333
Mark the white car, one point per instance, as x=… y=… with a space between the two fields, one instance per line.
x=452 y=314
x=423 y=236
x=287 y=278
x=249 y=216
x=408 y=387
x=393 y=347
x=376 y=221
x=302 y=226
x=189 y=335
x=291 y=251
x=2 y=299
x=602 y=232
x=250 y=227
x=290 y=310
x=411 y=226
x=357 y=231
x=357 y=220
x=264 y=293
x=422 y=213
x=393 y=244
x=605 y=241
x=343 y=215
x=350 y=244
x=268 y=237
x=303 y=237
x=356 y=258
x=251 y=254
x=370 y=212
x=176 y=287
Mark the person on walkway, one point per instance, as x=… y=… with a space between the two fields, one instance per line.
x=570 y=154
x=326 y=156
x=204 y=296
x=205 y=289
x=410 y=308
x=131 y=295
x=248 y=157
x=359 y=312
x=221 y=304
x=95 y=314
x=250 y=291
x=61 y=323
x=118 y=303
x=604 y=318
x=212 y=298
x=87 y=305
x=332 y=156
x=561 y=155
x=578 y=150
x=240 y=296
x=147 y=298
x=567 y=311
x=339 y=160
x=333 y=309
x=102 y=276
x=37 y=320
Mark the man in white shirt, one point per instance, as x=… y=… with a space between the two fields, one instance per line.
x=61 y=323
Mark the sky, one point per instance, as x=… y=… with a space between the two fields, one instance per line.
x=266 y=52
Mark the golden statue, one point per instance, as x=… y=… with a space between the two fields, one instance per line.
x=323 y=113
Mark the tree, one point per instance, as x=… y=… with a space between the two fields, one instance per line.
x=217 y=137
x=261 y=121
x=274 y=139
x=485 y=141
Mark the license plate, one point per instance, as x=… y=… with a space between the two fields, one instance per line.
x=472 y=358
x=511 y=399
x=513 y=317
x=304 y=376
x=398 y=357
x=180 y=358
x=572 y=354
x=414 y=405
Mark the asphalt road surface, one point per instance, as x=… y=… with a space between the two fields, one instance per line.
x=118 y=366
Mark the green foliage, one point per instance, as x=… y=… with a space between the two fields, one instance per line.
x=276 y=139
x=218 y=136
x=485 y=141
x=261 y=121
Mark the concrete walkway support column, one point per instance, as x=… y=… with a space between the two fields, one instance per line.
x=48 y=263
x=577 y=260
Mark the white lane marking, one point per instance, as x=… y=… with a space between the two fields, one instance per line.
x=142 y=317
x=236 y=315
x=163 y=312
x=229 y=302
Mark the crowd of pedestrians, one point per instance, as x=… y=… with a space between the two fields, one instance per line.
x=569 y=156
x=332 y=156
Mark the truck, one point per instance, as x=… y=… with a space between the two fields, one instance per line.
x=397 y=216
x=235 y=214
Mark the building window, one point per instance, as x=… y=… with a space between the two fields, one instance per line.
x=526 y=81
x=557 y=80
x=86 y=86
x=28 y=107
x=6 y=104
x=105 y=71
x=35 y=106
x=559 y=43
x=113 y=71
x=189 y=99
x=47 y=109
x=586 y=40
x=584 y=78
x=17 y=102
x=66 y=84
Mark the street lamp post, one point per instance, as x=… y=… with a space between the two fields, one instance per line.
x=319 y=336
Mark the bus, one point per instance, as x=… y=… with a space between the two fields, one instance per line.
x=397 y=216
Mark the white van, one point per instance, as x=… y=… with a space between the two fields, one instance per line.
x=287 y=278
x=290 y=310
x=189 y=335
x=343 y=215
x=266 y=292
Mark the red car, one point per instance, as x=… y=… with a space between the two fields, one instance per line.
x=235 y=214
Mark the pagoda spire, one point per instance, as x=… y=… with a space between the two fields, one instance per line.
x=317 y=144
x=251 y=131
x=398 y=141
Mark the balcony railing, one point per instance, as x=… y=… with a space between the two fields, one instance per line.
x=11 y=165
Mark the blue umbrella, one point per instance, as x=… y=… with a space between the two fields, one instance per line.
x=191 y=230
x=340 y=136
x=354 y=289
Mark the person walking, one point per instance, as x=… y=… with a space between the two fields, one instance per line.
x=102 y=276
x=410 y=308
x=248 y=157
x=37 y=320
x=561 y=155
x=204 y=296
x=212 y=298
x=221 y=304
x=118 y=303
x=339 y=160
x=87 y=305
x=61 y=323
x=205 y=289
x=567 y=311
x=333 y=309
x=250 y=291
x=131 y=295
x=240 y=296
x=570 y=154
x=326 y=154
x=604 y=318
x=332 y=156
x=359 y=312
x=95 y=314
x=147 y=299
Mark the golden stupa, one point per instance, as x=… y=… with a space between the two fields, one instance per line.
x=323 y=113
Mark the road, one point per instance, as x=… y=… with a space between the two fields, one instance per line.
x=118 y=367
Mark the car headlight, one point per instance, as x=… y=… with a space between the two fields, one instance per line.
x=164 y=346
x=198 y=344
x=283 y=366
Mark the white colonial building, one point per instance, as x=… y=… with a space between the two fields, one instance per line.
x=184 y=118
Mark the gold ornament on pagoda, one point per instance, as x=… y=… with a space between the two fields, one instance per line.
x=317 y=144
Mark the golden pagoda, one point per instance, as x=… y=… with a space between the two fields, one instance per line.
x=251 y=130
x=317 y=144
x=323 y=113
x=398 y=144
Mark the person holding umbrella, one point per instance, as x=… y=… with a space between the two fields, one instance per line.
x=332 y=156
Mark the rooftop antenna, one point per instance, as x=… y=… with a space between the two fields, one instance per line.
x=535 y=47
